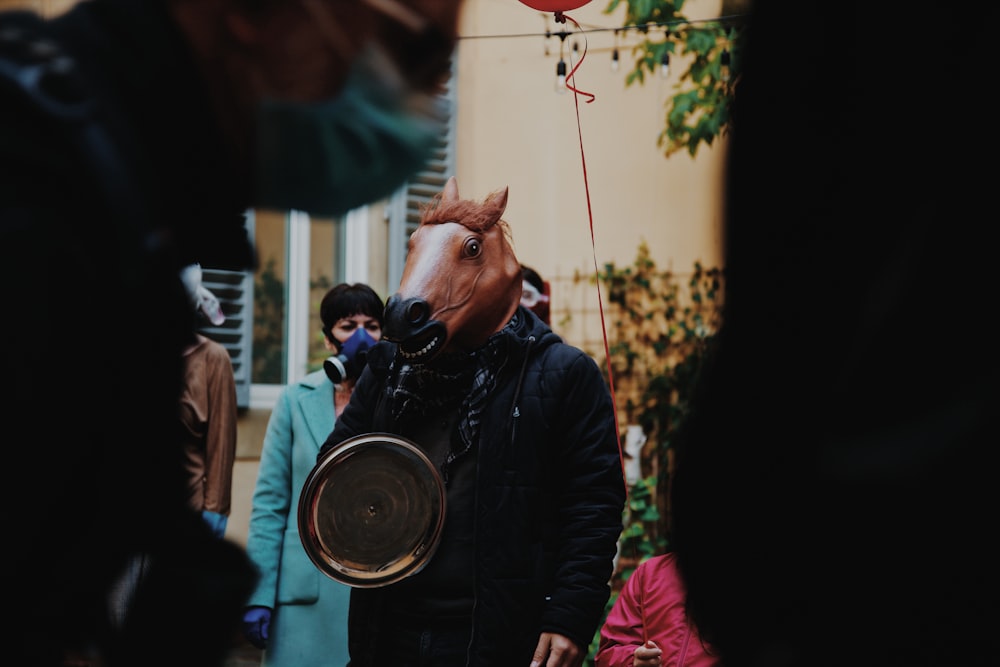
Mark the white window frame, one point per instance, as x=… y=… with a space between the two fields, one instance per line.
x=298 y=254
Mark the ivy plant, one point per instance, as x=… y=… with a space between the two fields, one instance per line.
x=660 y=327
x=701 y=107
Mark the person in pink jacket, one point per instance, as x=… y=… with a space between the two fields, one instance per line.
x=648 y=625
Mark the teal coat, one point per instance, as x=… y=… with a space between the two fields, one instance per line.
x=309 y=624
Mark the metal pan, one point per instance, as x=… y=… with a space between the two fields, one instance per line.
x=372 y=510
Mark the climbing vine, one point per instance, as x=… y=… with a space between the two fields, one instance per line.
x=710 y=55
x=660 y=327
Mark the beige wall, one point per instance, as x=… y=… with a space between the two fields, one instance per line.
x=249 y=438
x=514 y=130
x=44 y=7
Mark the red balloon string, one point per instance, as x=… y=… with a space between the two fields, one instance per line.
x=562 y=18
x=593 y=244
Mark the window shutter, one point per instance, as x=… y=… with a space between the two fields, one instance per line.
x=406 y=204
x=234 y=290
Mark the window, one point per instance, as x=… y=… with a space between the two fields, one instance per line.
x=233 y=289
x=405 y=205
x=299 y=259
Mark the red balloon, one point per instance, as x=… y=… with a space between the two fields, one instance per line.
x=554 y=5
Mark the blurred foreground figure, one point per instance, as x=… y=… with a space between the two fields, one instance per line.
x=133 y=136
x=833 y=502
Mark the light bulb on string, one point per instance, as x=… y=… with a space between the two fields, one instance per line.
x=614 y=55
x=724 y=65
x=561 y=65
x=665 y=65
x=665 y=58
x=561 y=76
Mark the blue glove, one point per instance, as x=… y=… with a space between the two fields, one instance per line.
x=217 y=522
x=256 y=625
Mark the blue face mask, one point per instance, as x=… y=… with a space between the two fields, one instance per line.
x=329 y=157
x=350 y=361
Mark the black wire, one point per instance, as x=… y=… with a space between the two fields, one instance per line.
x=639 y=27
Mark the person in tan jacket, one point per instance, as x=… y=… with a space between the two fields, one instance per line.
x=208 y=414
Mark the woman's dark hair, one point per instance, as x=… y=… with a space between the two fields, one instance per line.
x=345 y=300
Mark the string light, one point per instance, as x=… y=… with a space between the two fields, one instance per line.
x=644 y=28
x=665 y=58
x=561 y=65
x=614 y=55
x=562 y=70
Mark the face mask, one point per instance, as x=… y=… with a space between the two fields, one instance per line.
x=351 y=361
x=329 y=157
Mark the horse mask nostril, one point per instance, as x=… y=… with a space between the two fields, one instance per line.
x=416 y=311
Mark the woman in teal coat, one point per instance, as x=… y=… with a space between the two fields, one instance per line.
x=297 y=614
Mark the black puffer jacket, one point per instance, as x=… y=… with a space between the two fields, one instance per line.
x=549 y=498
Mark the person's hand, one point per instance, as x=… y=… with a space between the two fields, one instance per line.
x=647 y=655
x=555 y=650
x=217 y=522
x=256 y=625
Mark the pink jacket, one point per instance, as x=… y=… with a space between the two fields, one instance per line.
x=651 y=606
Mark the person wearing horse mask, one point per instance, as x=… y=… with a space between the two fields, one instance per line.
x=521 y=428
x=134 y=136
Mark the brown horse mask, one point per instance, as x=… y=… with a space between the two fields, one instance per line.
x=461 y=282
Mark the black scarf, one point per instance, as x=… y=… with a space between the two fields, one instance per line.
x=422 y=389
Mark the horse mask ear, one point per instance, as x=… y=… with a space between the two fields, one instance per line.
x=450 y=192
x=499 y=200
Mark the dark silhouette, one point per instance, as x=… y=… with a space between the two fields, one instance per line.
x=832 y=503
x=133 y=137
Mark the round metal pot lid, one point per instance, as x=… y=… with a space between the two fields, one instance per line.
x=372 y=510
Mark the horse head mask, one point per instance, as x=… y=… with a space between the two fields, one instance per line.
x=461 y=282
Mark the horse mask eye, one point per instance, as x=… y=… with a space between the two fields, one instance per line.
x=473 y=248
